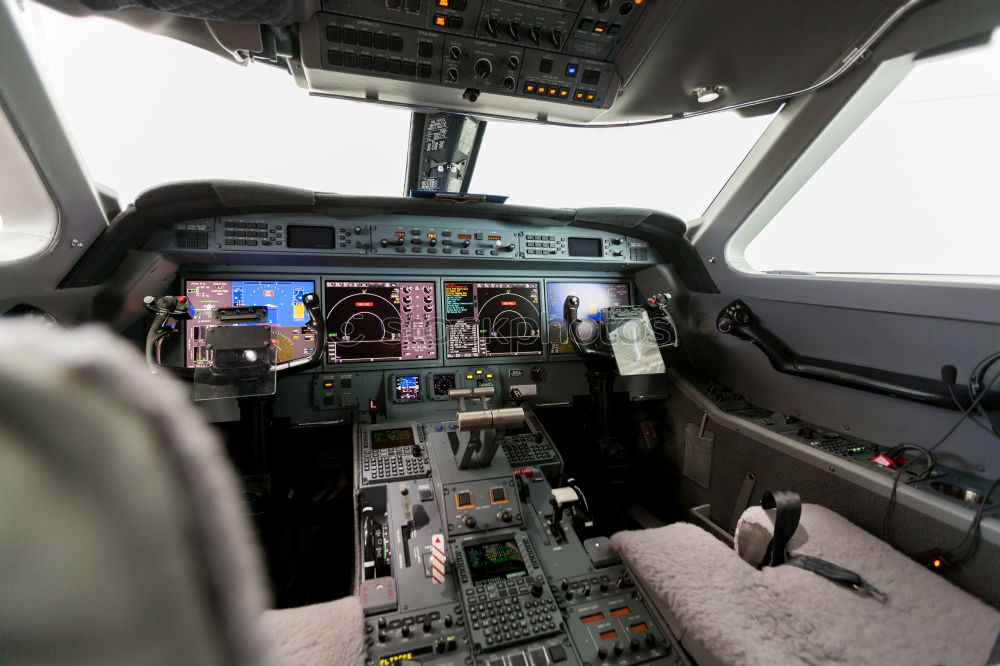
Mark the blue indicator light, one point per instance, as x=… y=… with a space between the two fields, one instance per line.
x=451 y=426
x=438 y=428
x=571 y=70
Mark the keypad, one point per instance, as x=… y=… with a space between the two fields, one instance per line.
x=252 y=234
x=541 y=244
x=379 y=467
x=505 y=612
x=524 y=450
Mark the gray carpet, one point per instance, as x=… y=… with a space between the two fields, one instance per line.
x=737 y=615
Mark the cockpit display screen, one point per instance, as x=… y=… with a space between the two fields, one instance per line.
x=286 y=313
x=594 y=297
x=380 y=321
x=495 y=561
x=484 y=319
x=391 y=438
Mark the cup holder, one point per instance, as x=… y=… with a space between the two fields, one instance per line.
x=958 y=492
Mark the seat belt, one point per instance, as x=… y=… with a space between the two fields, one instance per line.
x=788 y=509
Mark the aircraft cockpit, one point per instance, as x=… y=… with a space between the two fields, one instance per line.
x=499 y=332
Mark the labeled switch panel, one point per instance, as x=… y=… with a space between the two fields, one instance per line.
x=561 y=51
x=481 y=505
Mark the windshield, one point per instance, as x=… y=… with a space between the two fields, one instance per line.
x=145 y=110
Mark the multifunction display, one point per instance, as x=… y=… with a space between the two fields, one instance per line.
x=286 y=313
x=391 y=438
x=406 y=388
x=380 y=321
x=594 y=297
x=484 y=319
x=495 y=561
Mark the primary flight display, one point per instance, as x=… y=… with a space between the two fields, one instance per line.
x=286 y=313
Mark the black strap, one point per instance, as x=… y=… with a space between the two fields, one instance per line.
x=788 y=510
x=788 y=506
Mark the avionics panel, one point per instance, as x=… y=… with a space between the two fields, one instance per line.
x=495 y=561
x=488 y=319
x=286 y=313
x=594 y=296
x=380 y=321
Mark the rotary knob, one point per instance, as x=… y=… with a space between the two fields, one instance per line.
x=483 y=68
x=505 y=515
x=469 y=521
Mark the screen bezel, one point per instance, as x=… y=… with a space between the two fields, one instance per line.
x=554 y=356
x=390 y=362
x=228 y=277
x=371 y=437
x=487 y=360
x=478 y=543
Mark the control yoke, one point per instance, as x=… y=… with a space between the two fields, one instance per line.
x=587 y=351
x=169 y=311
x=479 y=427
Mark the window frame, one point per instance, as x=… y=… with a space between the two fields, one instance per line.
x=778 y=159
x=867 y=100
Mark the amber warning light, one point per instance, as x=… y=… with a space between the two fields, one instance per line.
x=508 y=304
x=364 y=304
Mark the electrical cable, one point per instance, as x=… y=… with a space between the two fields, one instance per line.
x=976 y=380
x=899 y=475
x=982 y=426
x=972 y=535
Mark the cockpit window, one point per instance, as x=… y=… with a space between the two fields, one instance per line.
x=914 y=190
x=145 y=109
x=28 y=219
x=677 y=167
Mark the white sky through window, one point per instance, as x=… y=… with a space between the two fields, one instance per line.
x=145 y=109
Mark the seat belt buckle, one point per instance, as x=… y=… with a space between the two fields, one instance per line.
x=867 y=589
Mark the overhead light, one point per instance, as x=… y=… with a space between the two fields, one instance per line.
x=706 y=94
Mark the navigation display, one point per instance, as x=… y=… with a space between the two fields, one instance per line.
x=286 y=313
x=495 y=561
x=380 y=321
x=594 y=296
x=484 y=319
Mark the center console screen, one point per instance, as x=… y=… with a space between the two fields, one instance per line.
x=484 y=319
x=286 y=313
x=495 y=561
x=380 y=321
x=594 y=297
x=391 y=438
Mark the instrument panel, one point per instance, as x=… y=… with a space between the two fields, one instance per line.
x=490 y=319
x=451 y=241
x=286 y=313
x=380 y=321
x=415 y=322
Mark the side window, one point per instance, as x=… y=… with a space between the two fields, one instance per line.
x=28 y=218
x=915 y=189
